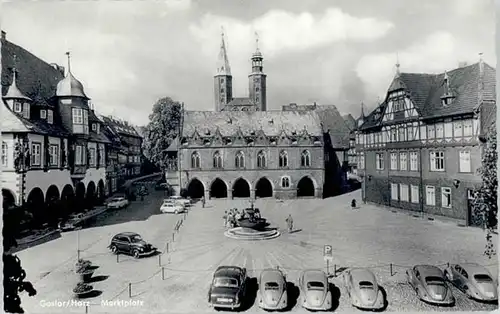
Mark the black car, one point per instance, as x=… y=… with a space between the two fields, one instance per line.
x=131 y=243
x=228 y=288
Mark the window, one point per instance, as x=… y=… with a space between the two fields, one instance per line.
x=464 y=164
x=18 y=107
x=43 y=114
x=431 y=132
x=415 y=194
x=394 y=161
x=239 y=160
x=80 y=120
x=50 y=116
x=380 y=161
x=217 y=160
x=430 y=192
x=305 y=159
x=403 y=161
x=439 y=130
x=261 y=160
x=457 y=129
x=195 y=160
x=36 y=156
x=54 y=155
x=102 y=156
x=94 y=127
x=394 y=134
x=403 y=192
x=77 y=116
x=402 y=133
x=285 y=182
x=468 y=127
x=283 y=162
x=361 y=164
x=413 y=161
x=92 y=157
x=5 y=151
x=394 y=191
x=79 y=155
x=437 y=161
x=446 y=197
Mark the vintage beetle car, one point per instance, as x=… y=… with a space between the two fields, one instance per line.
x=186 y=202
x=228 y=288
x=314 y=290
x=362 y=287
x=172 y=207
x=430 y=285
x=272 y=290
x=131 y=243
x=117 y=202
x=474 y=280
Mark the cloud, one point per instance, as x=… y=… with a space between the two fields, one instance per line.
x=438 y=52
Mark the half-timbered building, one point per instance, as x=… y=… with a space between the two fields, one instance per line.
x=419 y=149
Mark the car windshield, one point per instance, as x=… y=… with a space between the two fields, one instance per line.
x=433 y=280
x=225 y=282
x=315 y=285
x=483 y=278
x=271 y=286
x=175 y=197
x=136 y=238
x=117 y=199
x=365 y=285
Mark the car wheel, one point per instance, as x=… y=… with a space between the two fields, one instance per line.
x=136 y=254
x=176 y=212
x=114 y=249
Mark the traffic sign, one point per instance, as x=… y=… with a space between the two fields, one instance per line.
x=328 y=252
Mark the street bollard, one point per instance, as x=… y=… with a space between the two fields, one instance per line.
x=129 y=289
x=86 y=308
x=117 y=258
x=448 y=264
x=159 y=260
x=334 y=270
x=390 y=266
x=173 y=237
x=163 y=273
x=167 y=247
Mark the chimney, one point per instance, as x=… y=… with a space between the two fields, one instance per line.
x=3 y=35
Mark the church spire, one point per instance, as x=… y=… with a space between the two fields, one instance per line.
x=223 y=67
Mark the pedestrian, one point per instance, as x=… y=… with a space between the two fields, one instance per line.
x=353 y=204
x=289 y=222
x=225 y=217
x=203 y=201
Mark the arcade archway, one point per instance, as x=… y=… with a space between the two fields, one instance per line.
x=305 y=187
x=241 y=188
x=90 y=196
x=101 y=194
x=35 y=204
x=9 y=200
x=263 y=188
x=67 y=200
x=52 y=203
x=218 y=189
x=79 y=197
x=196 y=189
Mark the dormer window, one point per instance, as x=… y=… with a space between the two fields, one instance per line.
x=43 y=114
x=18 y=106
x=50 y=116
x=95 y=127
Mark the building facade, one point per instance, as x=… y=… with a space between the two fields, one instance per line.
x=420 y=149
x=53 y=153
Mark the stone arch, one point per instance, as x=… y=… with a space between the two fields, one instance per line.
x=218 y=188
x=9 y=198
x=241 y=188
x=35 y=204
x=101 y=193
x=264 y=188
x=196 y=188
x=90 y=195
x=79 y=196
x=67 y=199
x=306 y=187
x=52 y=203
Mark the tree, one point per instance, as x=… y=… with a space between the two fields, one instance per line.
x=162 y=129
x=485 y=198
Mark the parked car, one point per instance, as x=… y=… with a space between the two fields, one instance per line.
x=430 y=285
x=66 y=226
x=362 y=288
x=161 y=186
x=117 y=203
x=315 y=291
x=272 y=290
x=474 y=280
x=172 y=207
x=185 y=201
x=131 y=243
x=228 y=288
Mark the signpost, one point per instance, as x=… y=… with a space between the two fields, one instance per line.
x=327 y=256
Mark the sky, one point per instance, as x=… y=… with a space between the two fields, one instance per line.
x=130 y=53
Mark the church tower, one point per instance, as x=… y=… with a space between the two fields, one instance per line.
x=257 y=80
x=223 y=80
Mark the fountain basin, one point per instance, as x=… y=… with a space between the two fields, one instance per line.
x=242 y=233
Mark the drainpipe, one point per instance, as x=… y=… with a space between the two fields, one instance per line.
x=421 y=175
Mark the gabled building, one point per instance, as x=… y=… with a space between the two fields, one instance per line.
x=53 y=153
x=352 y=162
x=419 y=150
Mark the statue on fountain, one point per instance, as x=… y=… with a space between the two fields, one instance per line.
x=250 y=218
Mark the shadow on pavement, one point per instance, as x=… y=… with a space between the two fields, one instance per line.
x=91 y=294
x=335 y=296
x=251 y=294
x=293 y=295
x=97 y=279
